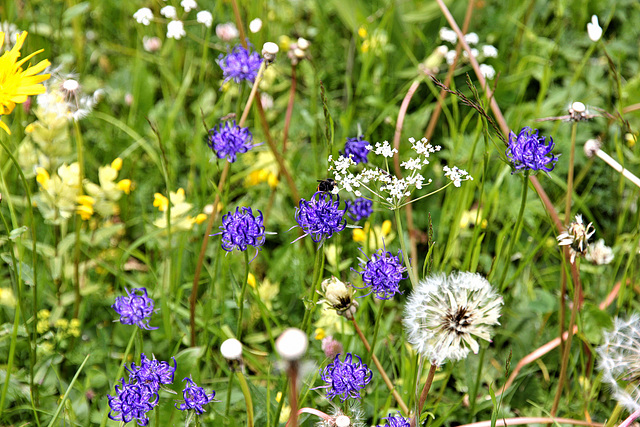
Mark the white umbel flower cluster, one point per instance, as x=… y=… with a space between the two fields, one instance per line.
x=380 y=183
x=619 y=361
x=445 y=314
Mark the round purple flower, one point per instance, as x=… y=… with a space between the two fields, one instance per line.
x=240 y=64
x=320 y=217
x=152 y=372
x=135 y=308
x=360 y=208
x=132 y=401
x=528 y=151
x=227 y=141
x=194 y=397
x=396 y=421
x=382 y=273
x=345 y=379
x=241 y=229
x=356 y=148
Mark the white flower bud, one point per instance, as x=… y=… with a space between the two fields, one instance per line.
x=292 y=344
x=591 y=147
x=255 y=25
x=269 y=51
x=231 y=349
x=578 y=107
x=303 y=43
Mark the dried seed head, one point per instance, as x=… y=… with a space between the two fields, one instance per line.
x=292 y=344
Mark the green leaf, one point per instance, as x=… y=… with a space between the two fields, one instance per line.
x=17 y=232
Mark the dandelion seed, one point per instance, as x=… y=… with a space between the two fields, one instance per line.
x=205 y=17
x=345 y=379
x=143 y=16
x=132 y=401
x=227 y=140
x=242 y=229
x=320 y=217
x=529 y=151
x=195 y=397
x=135 y=308
x=231 y=349
x=152 y=372
x=576 y=237
x=356 y=148
x=444 y=314
x=175 y=30
x=382 y=273
x=240 y=64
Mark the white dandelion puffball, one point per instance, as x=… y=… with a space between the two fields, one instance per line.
x=445 y=314
x=231 y=349
x=619 y=361
x=292 y=344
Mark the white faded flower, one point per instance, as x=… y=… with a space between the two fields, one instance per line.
x=489 y=51
x=471 y=38
x=619 y=361
x=175 y=30
x=205 y=17
x=576 y=237
x=255 y=25
x=188 y=5
x=151 y=44
x=448 y=35
x=169 y=12
x=227 y=32
x=339 y=296
x=292 y=344
x=487 y=71
x=593 y=29
x=456 y=175
x=445 y=314
x=143 y=16
x=599 y=253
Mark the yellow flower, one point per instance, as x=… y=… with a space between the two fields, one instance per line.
x=17 y=84
x=30 y=128
x=378 y=236
x=362 y=32
x=320 y=333
x=160 y=201
x=251 y=280
x=200 y=218
x=85 y=207
x=125 y=185
x=61 y=323
x=272 y=180
x=117 y=164
x=42 y=176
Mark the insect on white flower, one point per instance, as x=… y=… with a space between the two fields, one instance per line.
x=445 y=314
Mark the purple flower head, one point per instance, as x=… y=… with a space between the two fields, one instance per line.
x=528 y=151
x=360 y=208
x=194 y=397
x=227 y=141
x=241 y=229
x=356 y=148
x=396 y=421
x=240 y=64
x=152 y=372
x=135 y=308
x=320 y=217
x=382 y=273
x=345 y=379
x=132 y=401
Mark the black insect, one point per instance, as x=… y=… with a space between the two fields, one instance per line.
x=326 y=185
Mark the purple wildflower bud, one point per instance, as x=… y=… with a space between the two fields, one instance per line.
x=382 y=273
x=396 y=421
x=135 y=308
x=152 y=372
x=528 y=151
x=356 y=148
x=227 y=141
x=331 y=347
x=320 y=216
x=240 y=64
x=194 y=397
x=241 y=229
x=360 y=208
x=132 y=401
x=345 y=379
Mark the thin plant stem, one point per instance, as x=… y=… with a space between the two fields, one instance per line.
x=244 y=386
x=12 y=353
x=424 y=394
x=515 y=237
x=242 y=293
x=318 y=267
x=615 y=415
x=532 y=420
x=66 y=393
x=252 y=94
x=403 y=406
x=76 y=261
x=473 y=397
x=376 y=328
x=405 y=255
x=289 y=113
x=228 y=401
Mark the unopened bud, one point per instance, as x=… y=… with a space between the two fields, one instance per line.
x=591 y=147
x=269 y=51
x=231 y=349
x=303 y=43
x=292 y=344
x=578 y=107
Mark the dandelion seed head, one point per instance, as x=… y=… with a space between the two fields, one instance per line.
x=576 y=237
x=231 y=349
x=598 y=253
x=292 y=344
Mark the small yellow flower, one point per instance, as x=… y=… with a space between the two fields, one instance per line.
x=365 y=46
x=279 y=397
x=86 y=200
x=61 y=324
x=272 y=180
x=44 y=314
x=161 y=202
x=320 y=334
x=362 y=32
x=117 y=164
x=386 y=227
x=42 y=176
x=200 y=218
x=30 y=128
x=85 y=207
x=284 y=42
x=251 y=280
x=125 y=185
x=16 y=83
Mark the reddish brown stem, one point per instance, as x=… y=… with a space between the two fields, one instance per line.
x=532 y=420
x=423 y=395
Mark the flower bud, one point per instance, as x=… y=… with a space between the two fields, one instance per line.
x=339 y=296
x=292 y=344
x=231 y=349
x=591 y=147
x=303 y=43
x=269 y=51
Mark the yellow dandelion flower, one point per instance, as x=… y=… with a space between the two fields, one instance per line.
x=160 y=201
x=16 y=84
x=117 y=164
x=125 y=185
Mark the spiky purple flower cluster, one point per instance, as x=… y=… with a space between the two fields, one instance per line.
x=382 y=273
x=528 y=151
x=135 y=308
x=360 y=208
x=320 y=217
x=356 y=148
x=152 y=372
x=240 y=64
x=396 y=421
x=132 y=401
x=241 y=229
x=227 y=140
x=195 y=397
x=345 y=379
